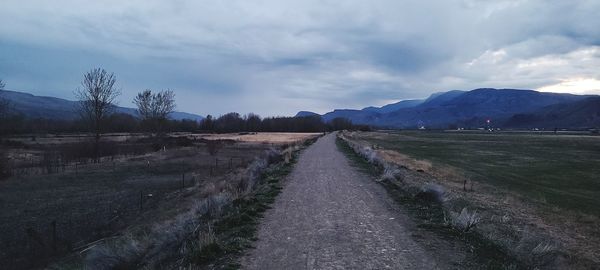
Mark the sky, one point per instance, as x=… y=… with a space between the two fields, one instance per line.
x=279 y=57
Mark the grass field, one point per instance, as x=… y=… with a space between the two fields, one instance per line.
x=558 y=170
x=47 y=213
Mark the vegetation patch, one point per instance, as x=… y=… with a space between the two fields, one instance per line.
x=235 y=228
x=430 y=216
x=557 y=170
x=532 y=193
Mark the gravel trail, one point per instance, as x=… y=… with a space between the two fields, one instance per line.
x=331 y=216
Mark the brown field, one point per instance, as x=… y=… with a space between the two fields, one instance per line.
x=254 y=137
x=56 y=204
x=260 y=137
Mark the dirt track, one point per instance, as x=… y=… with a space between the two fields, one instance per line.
x=330 y=216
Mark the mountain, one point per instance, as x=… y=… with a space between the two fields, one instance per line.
x=357 y=116
x=473 y=108
x=579 y=114
x=442 y=97
x=394 y=106
x=56 y=108
x=305 y=114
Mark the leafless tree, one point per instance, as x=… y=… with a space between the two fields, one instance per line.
x=4 y=103
x=154 y=108
x=97 y=100
x=4 y=108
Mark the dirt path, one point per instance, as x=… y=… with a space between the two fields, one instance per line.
x=330 y=216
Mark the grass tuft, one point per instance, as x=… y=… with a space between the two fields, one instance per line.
x=426 y=206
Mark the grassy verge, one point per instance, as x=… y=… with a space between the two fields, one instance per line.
x=554 y=170
x=430 y=218
x=234 y=231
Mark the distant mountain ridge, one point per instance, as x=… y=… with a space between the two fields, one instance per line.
x=33 y=106
x=503 y=107
x=306 y=113
x=409 y=103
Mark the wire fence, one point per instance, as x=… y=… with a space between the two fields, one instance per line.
x=56 y=228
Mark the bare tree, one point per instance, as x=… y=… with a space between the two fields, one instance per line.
x=97 y=100
x=154 y=108
x=4 y=108
x=4 y=103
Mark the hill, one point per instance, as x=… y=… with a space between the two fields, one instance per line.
x=579 y=114
x=394 y=106
x=305 y=114
x=56 y=108
x=504 y=107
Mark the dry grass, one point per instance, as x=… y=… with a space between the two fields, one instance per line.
x=501 y=215
x=97 y=200
x=159 y=237
x=463 y=221
x=261 y=137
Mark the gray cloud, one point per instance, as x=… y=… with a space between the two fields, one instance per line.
x=277 y=57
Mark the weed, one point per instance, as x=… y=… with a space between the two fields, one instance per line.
x=236 y=229
x=465 y=221
x=432 y=193
x=426 y=206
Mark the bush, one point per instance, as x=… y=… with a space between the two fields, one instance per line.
x=465 y=221
x=120 y=254
x=5 y=170
x=389 y=173
x=432 y=193
x=536 y=250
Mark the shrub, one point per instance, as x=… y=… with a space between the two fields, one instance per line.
x=213 y=146
x=117 y=255
x=465 y=221
x=535 y=250
x=5 y=170
x=389 y=173
x=432 y=193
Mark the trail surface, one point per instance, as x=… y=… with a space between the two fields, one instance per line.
x=331 y=216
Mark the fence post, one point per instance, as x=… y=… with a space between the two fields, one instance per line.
x=141 y=200
x=182 y=180
x=53 y=225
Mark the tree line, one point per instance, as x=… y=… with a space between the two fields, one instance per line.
x=97 y=96
x=234 y=122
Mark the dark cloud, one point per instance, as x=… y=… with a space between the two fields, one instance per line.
x=277 y=57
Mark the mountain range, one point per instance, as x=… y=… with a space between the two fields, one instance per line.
x=506 y=108
x=57 y=108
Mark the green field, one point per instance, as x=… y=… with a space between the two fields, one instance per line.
x=561 y=170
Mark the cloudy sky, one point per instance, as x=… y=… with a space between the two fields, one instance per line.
x=278 y=57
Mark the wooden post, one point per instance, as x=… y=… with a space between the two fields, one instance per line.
x=230 y=163
x=141 y=200
x=53 y=225
x=465 y=185
x=182 y=180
